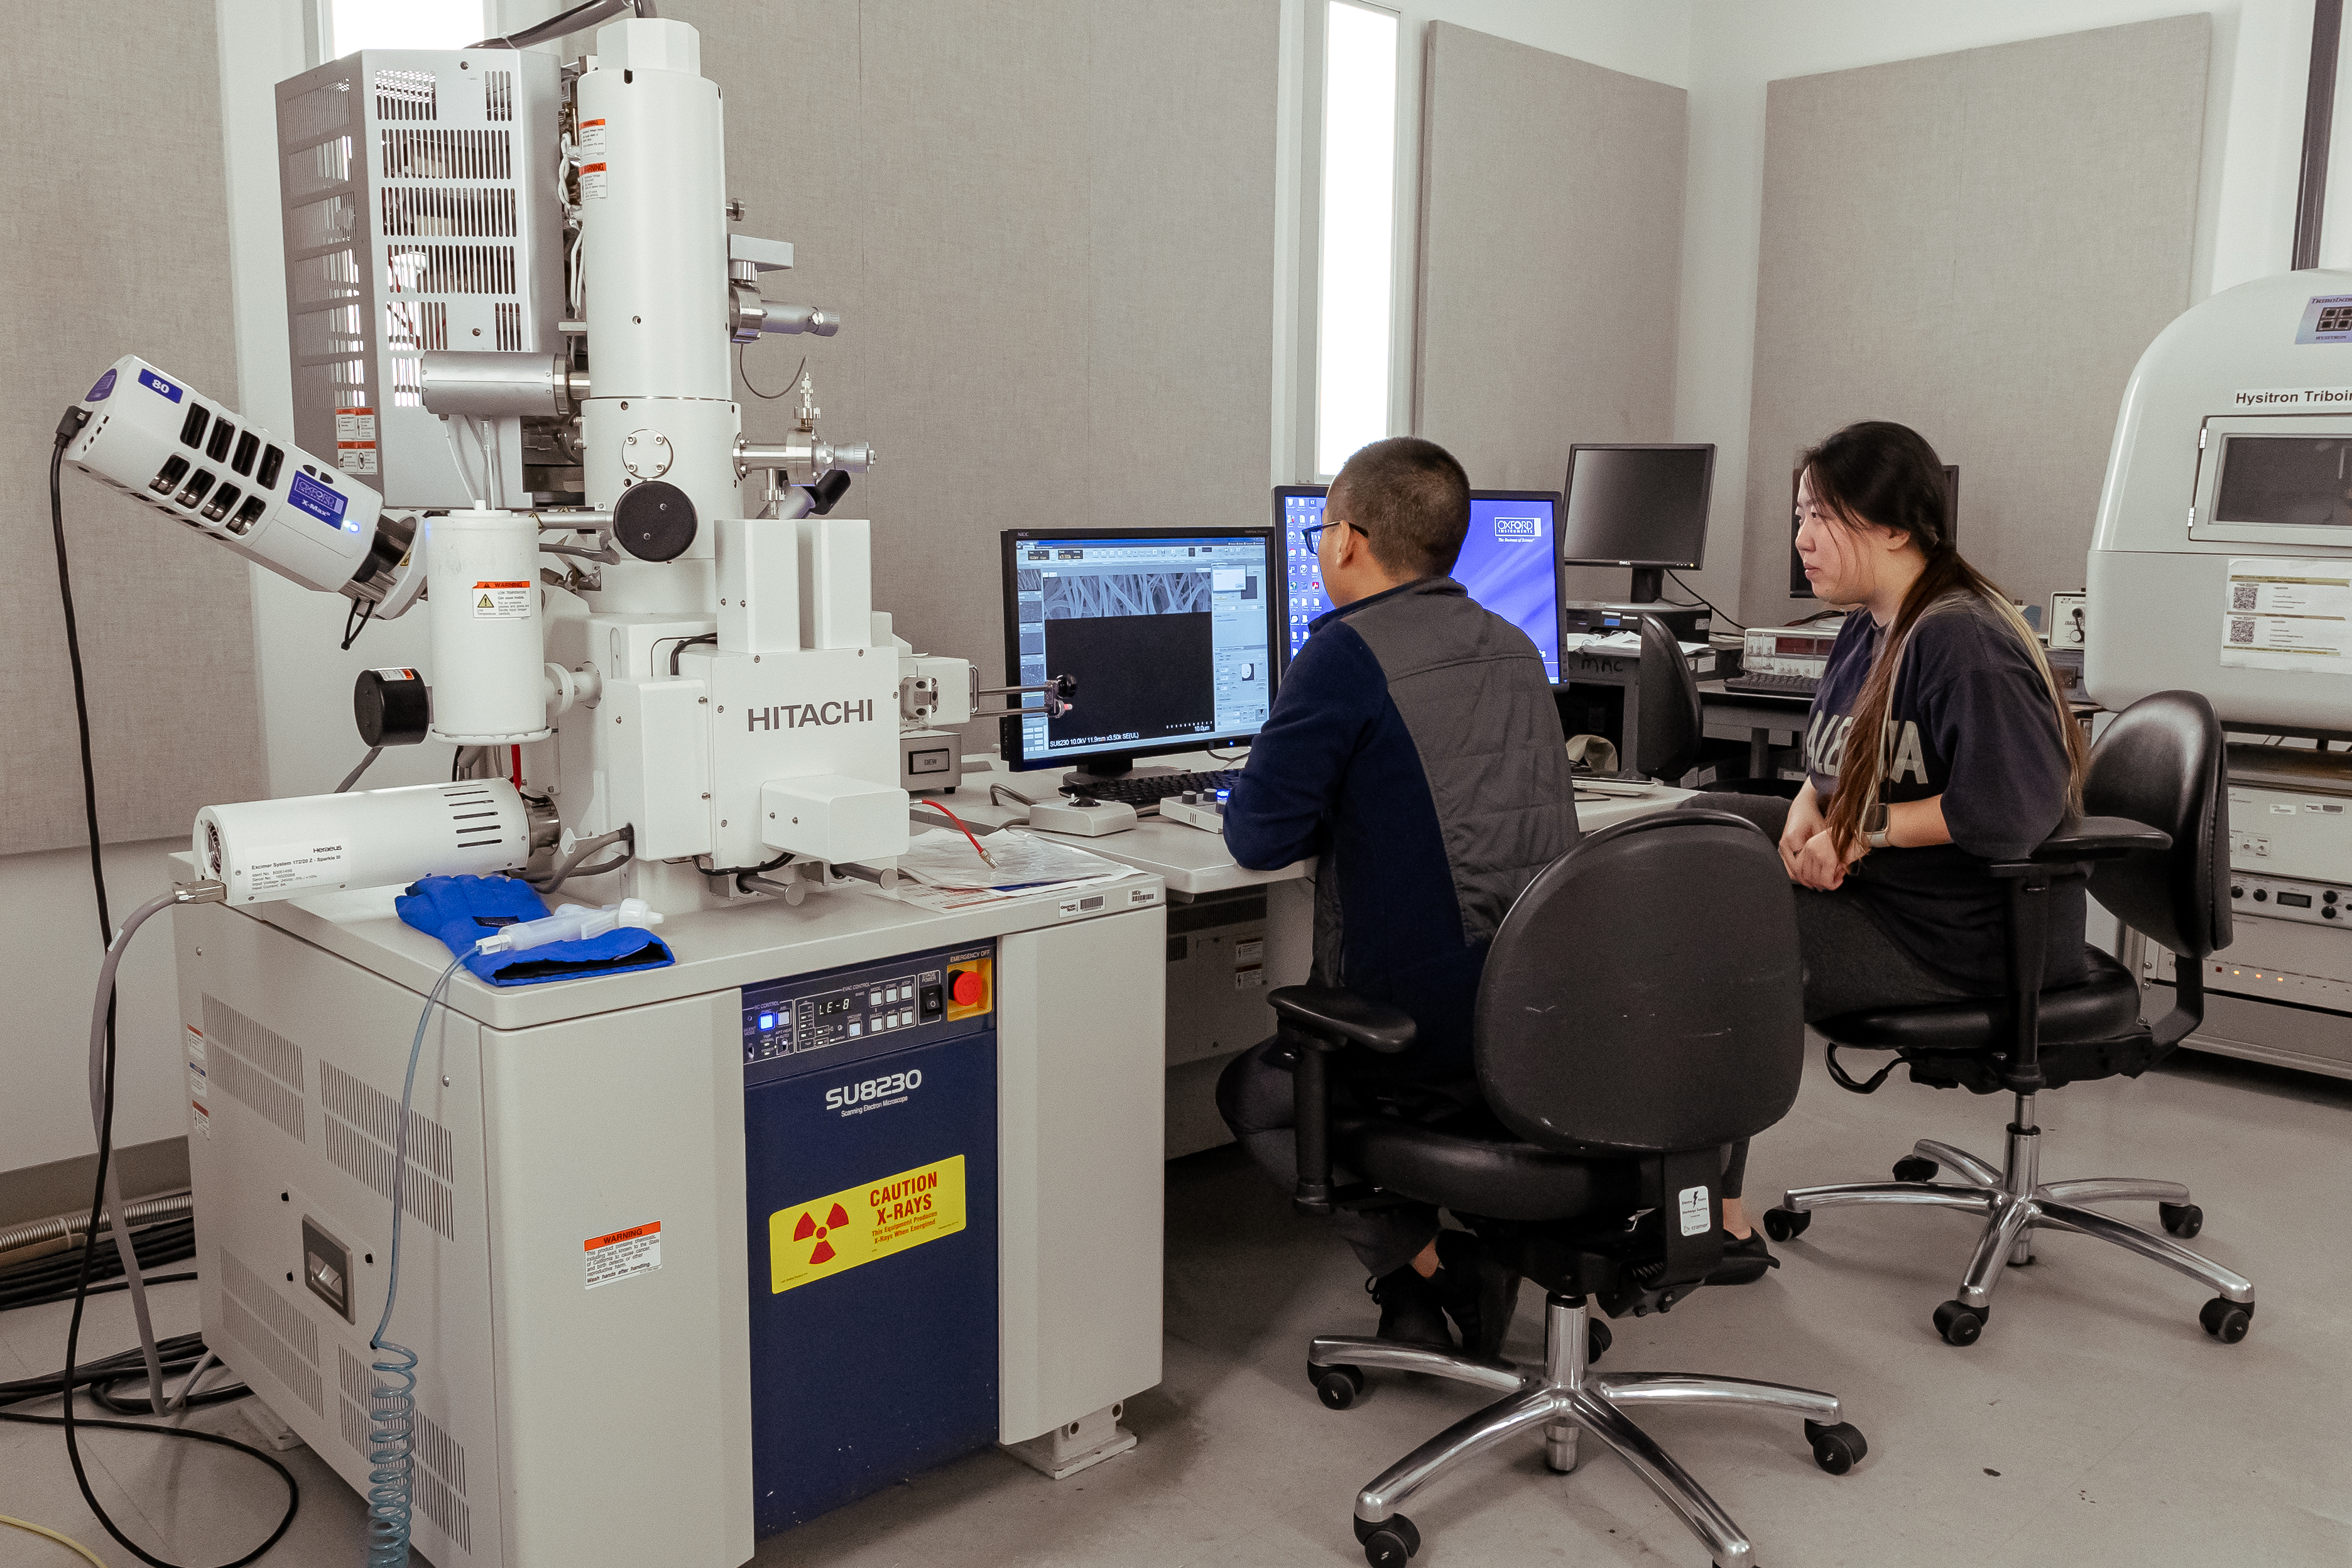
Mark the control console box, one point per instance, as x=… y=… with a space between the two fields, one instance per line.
x=1590 y=617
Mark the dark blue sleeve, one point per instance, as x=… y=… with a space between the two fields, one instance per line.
x=1331 y=696
x=2005 y=785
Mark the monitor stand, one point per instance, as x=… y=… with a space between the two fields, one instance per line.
x=1649 y=585
x=1102 y=769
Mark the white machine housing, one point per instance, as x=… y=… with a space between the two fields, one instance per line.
x=159 y=440
x=2252 y=362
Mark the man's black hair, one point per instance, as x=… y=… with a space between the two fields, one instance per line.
x=1410 y=498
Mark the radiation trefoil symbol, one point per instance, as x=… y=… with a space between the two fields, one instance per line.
x=808 y=1227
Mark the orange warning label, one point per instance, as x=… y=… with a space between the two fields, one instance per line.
x=624 y=1253
x=857 y=1224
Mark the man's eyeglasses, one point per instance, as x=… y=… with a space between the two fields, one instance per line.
x=1313 y=532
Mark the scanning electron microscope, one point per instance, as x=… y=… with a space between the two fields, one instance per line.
x=693 y=1252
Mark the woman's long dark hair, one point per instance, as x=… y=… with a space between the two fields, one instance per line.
x=1886 y=474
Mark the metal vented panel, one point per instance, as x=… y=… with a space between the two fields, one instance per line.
x=360 y=1123
x=279 y=1334
x=251 y=1064
x=421 y=214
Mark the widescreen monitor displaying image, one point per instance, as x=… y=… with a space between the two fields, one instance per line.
x=1506 y=564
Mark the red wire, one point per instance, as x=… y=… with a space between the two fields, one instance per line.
x=951 y=816
x=518 y=767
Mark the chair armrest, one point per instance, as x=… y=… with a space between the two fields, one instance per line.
x=2081 y=838
x=1326 y=1018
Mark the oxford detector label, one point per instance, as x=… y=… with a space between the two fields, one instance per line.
x=837 y=1232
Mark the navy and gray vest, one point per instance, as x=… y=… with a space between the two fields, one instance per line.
x=1414 y=751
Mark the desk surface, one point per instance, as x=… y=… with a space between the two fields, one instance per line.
x=1191 y=861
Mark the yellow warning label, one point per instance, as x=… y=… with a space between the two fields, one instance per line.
x=857 y=1224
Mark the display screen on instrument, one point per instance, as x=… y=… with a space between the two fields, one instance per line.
x=1807 y=648
x=2292 y=481
x=1168 y=634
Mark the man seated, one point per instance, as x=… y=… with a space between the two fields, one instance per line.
x=1414 y=750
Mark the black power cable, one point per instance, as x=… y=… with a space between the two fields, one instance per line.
x=68 y=427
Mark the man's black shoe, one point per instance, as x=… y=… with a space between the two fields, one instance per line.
x=1410 y=1310
x=1478 y=1292
x=1744 y=1259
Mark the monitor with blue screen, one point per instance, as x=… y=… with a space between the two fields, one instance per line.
x=1506 y=563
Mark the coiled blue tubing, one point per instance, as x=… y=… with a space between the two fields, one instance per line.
x=392 y=1396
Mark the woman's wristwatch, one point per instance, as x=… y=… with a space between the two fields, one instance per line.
x=1873 y=826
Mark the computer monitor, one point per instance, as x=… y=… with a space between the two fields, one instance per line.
x=1799 y=588
x=1506 y=563
x=1171 y=633
x=1637 y=504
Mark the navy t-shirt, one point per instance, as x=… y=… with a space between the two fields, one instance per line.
x=1971 y=720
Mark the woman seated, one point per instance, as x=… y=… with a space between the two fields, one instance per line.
x=1938 y=741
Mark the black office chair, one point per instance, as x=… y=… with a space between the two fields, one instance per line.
x=1617 y=1057
x=2158 y=857
x=1666 y=730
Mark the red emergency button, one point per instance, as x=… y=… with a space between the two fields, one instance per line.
x=964 y=985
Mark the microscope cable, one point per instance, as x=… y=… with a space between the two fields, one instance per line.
x=106 y=1197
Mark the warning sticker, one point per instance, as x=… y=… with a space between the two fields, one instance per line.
x=637 y=1250
x=591 y=181
x=390 y=672
x=288 y=867
x=354 y=457
x=502 y=601
x=1695 y=1210
x=837 y=1232
x=355 y=425
x=199 y=1115
x=592 y=134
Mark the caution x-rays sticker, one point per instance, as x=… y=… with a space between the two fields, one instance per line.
x=837 y=1232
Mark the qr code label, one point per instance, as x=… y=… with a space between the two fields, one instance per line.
x=2242 y=595
x=2242 y=631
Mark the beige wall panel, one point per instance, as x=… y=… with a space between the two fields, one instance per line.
x=1979 y=245
x=1550 y=261
x=114 y=242
x=1050 y=227
x=1183 y=133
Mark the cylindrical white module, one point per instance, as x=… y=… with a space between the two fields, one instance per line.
x=653 y=203
x=265 y=850
x=488 y=655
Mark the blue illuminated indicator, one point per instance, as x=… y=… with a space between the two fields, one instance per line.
x=766 y=1020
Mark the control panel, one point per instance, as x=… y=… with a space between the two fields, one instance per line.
x=867 y=1010
x=2291 y=855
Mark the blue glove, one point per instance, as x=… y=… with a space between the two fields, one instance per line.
x=461 y=910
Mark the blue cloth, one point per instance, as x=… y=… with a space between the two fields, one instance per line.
x=461 y=910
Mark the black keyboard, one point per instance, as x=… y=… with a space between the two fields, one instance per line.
x=1153 y=788
x=1773 y=685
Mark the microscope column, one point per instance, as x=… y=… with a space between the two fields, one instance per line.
x=654 y=230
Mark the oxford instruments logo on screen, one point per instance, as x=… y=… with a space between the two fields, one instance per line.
x=1518 y=530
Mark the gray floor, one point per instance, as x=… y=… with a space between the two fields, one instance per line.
x=2095 y=1424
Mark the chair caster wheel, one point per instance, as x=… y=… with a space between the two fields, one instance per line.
x=2181 y=1220
x=1392 y=1544
x=1912 y=1168
x=1838 y=1448
x=1785 y=1225
x=1337 y=1387
x=2225 y=1320
x=1960 y=1323
x=1597 y=1341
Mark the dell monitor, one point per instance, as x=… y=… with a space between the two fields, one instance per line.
x=1506 y=564
x=1802 y=587
x=1170 y=634
x=1637 y=505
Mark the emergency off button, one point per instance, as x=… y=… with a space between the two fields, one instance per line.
x=964 y=985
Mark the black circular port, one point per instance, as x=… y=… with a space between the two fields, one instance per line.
x=2262 y=895
x=391 y=707
x=654 y=520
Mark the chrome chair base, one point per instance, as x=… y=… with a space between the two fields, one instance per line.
x=1561 y=1400
x=2016 y=1203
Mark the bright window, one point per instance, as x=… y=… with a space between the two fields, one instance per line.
x=1358 y=231
x=356 y=24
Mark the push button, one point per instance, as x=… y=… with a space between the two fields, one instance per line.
x=963 y=985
